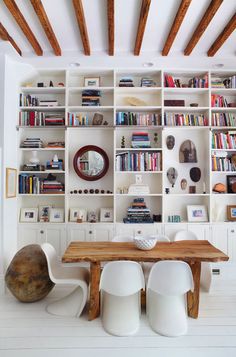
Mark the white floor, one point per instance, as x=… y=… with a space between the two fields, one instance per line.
x=27 y=330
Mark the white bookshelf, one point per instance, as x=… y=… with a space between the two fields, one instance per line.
x=108 y=137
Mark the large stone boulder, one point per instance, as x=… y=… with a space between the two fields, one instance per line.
x=27 y=275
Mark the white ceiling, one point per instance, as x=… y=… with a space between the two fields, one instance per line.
x=162 y=12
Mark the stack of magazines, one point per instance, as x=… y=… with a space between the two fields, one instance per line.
x=34 y=143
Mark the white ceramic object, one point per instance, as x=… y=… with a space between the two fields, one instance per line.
x=145 y=242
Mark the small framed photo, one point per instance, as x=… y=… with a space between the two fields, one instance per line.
x=44 y=213
x=92 y=216
x=29 y=215
x=231 y=183
x=231 y=213
x=78 y=213
x=106 y=215
x=197 y=213
x=11 y=179
x=56 y=215
x=92 y=81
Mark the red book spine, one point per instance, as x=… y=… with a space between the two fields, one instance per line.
x=32 y=118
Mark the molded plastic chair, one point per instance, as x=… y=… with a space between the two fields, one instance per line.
x=206 y=273
x=148 y=266
x=120 y=285
x=166 y=306
x=72 y=304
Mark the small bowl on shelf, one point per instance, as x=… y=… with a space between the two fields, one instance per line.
x=145 y=242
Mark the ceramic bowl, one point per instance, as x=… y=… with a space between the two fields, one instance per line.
x=145 y=242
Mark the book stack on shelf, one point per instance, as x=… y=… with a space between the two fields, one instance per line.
x=34 y=118
x=147 y=82
x=126 y=82
x=223 y=119
x=218 y=101
x=55 y=144
x=174 y=119
x=140 y=140
x=224 y=140
x=138 y=212
x=51 y=186
x=34 y=143
x=77 y=119
x=140 y=161
x=223 y=162
x=48 y=103
x=54 y=119
x=194 y=82
x=139 y=119
x=91 y=98
x=229 y=82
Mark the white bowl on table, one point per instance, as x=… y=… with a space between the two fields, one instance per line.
x=145 y=242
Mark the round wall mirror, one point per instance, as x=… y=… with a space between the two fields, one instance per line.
x=91 y=163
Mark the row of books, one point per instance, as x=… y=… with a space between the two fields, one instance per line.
x=224 y=140
x=34 y=143
x=195 y=82
x=173 y=119
x=229 y=82
x=91 y=97
x=29 y=100
x=139 y=119
x=138 y=212
x=140 y=161
x=140 y=140
x=33 y=118
x=218 y=101
x=77 y=119
x=31 y=184
x=222 y=163
x=223 y=119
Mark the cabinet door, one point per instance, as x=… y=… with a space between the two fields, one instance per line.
x=219 y=237
x=101 y=233
x=232 y=244
x=124 y=229
x=78 y=233
x=56 y=236
x=29 y=235
x=171 y=229
x=144 y=229
x=201 y=231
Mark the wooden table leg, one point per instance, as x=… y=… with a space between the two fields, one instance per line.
x=193 y=297
x=94 y=303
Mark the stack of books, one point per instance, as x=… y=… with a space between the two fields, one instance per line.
x=126 y=82
x=138 y=161
x=55 y=144
x=140 y=140
x=217 y=83
x=138 y=212
x=218 y=101
x=54 y=119
x=48 y=103
x=91 y=98
x=52 y=186
x=139 y=119
x=34 y=143
x=229 y=82
x=147 y=82
x=33 y=167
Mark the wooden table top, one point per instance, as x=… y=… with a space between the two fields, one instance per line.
x=198 y=250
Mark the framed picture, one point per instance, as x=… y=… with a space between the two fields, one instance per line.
x=231 y=183
x=92 y=216
x=106 y=215
x=29 y=215
x=91 y=81
x=56 y=215
x=76 y=213
x=44 y=213
x=11 y=179
x=197 y=213
x=231 y=213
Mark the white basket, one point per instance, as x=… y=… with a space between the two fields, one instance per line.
x=145 y=243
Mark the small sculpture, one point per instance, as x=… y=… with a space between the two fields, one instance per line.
x=155 y=139
x=170 y=142
x=219 y=187
x=187 y=152
x=172 y=175
x=183 y=184
x=195 y=174
x=51 y=84
x=122 y=142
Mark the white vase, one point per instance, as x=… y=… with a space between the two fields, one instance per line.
x=34 y=159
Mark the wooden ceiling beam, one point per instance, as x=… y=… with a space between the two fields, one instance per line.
x=183 y=8
x=16 y=13
x=141 y=26
x=43 y=18
x=4 y=35
x=79 y=12
x=203 y=24
x=223 y=36
x=111 y=26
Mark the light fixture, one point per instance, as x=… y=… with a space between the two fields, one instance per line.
x=148 y=64
x=74 y=64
